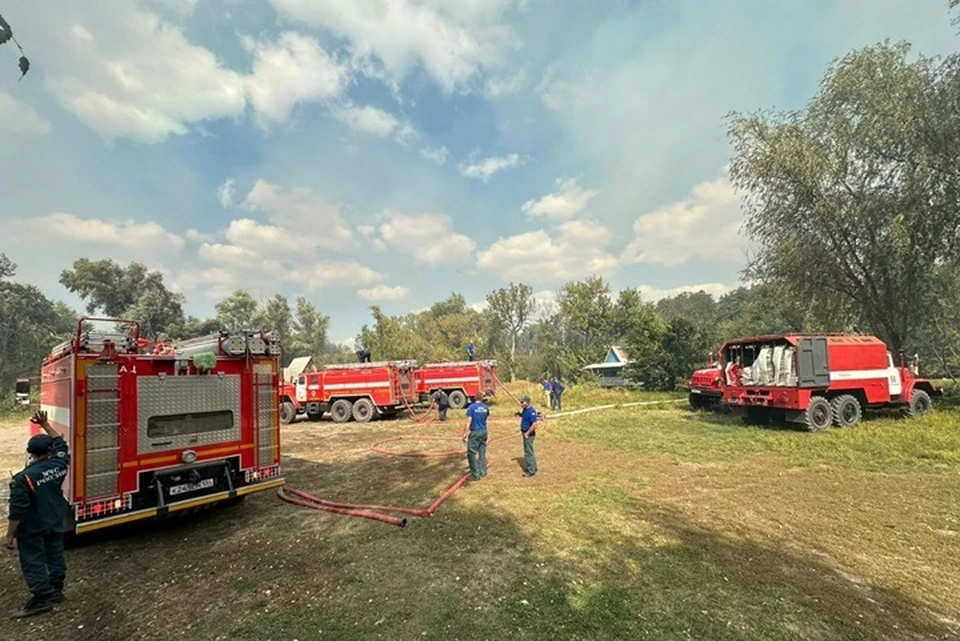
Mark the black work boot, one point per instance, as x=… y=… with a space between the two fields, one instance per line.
x=38 y=604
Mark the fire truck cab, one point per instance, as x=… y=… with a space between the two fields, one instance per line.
x=152 y=434
x=705 y=387
x=818 y=380
x=361 y=391
x=460 y=380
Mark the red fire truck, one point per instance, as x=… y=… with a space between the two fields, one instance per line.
x=705 y=387
x=152 y=434
x=818 y=380
x=361 y=391
x=460 y=380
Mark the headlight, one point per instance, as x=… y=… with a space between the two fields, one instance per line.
x=188 y=457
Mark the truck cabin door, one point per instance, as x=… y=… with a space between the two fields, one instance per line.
x=301 y=390
x=893 y=376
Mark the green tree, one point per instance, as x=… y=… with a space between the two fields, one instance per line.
x=513 y=306
x=855 y=201
x=32 y=325
x=275 y=316
x=587 y=322
x=133 y=292
x=236 y=310
x=310 y=330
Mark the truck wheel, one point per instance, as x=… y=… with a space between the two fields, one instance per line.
x=363 y=411
x=920 y=404
x=288 y=412
x=697 y=402
x=341 y=410
x=846 y=411
x=458 y=400
x=819 y=414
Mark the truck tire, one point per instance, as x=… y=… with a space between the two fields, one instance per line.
x=288 y=412
x=846 y=411
x=341 y=410
x=458 y=400
x=920 y=404
x=819 y=414
x=696 y=401
x=363 y=411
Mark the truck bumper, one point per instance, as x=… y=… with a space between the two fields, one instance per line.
x=99 y=524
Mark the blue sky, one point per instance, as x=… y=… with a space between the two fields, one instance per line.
x=390 y=152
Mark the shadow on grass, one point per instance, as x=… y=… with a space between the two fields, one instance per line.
x=478 y=569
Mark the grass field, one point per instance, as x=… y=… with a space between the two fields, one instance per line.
x=645 y=522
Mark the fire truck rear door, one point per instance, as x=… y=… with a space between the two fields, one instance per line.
x=813 y=367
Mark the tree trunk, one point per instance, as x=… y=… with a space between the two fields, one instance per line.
x=513 y=356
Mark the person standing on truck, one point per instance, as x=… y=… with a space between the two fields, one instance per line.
x=528 y=429
x=471 y=351
x=443 y=404
x=37 y=511
x=476 y=438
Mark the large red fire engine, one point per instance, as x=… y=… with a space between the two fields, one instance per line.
x=149 y=434
x=361 y=391
x=818 y=380
x=461 y=380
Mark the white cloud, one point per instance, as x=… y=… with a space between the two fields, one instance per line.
x=429 y=238
x=373 y=121
x=20 y=118
x=438 y=156
x=452 y=41
x=294 y=69
x=147 y=237
x=125 y=72
x=383 y=293
x=487 y=167
x=577 y=250
x=196 y=236
x=565 y=95
x=705 y=225
x=366 y=230
x=569 y=200
x=226 y=194
x=652 y=294
x=300 y=220
x=504 y=85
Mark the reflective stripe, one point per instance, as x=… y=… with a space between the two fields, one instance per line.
x=357 y=385
x=859 y=374
x=58 y=415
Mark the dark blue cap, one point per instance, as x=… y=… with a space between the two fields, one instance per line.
x=39 y=444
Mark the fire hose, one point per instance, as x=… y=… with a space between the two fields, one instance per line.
x=373 y=511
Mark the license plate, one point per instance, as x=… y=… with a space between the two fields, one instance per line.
x=185 y=488
x=696 y=391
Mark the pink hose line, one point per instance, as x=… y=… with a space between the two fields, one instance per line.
x=370 y=511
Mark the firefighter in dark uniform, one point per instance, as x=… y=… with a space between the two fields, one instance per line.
x=443 y=404
x=37 y=511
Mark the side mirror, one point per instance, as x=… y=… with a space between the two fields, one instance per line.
x=22 y=391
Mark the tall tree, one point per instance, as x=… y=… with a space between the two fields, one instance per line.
x=275 y=316
x=855 y=201
x=587 y=321
x=133 y=292
x=513 y=306
x=236 y=310
x=310 y=330
x=31 y=323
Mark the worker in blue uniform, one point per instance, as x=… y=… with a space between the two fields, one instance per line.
x=471 y=351
x=528 y=429
x=37 y=511
x=476 y=438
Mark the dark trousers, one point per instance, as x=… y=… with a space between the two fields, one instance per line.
x=42 y=562
x=470 y=357
x=477 y=454
x=529 y=458
x=442 y=412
